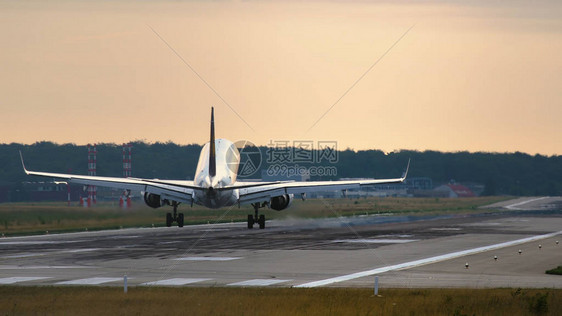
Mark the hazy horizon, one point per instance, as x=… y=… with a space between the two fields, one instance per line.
x=266 y=145
x=476 y=77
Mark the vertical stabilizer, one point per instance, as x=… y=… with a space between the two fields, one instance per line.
x=212 y=156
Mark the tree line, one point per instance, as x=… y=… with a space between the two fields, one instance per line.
x=501 y=173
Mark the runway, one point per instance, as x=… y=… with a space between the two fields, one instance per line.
x=343 y=252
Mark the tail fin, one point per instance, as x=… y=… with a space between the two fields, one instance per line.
x=212 y=156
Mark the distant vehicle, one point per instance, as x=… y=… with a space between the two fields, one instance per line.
x=215 y=184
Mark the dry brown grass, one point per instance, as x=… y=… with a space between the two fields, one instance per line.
x=24 y=300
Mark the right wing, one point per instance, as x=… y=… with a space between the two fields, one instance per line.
x=265 y=192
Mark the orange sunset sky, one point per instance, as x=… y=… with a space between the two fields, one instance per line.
x=484 y=76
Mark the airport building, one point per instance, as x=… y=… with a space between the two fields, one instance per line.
x=455 y=190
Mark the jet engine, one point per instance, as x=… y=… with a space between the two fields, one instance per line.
x=152 y=200
x=281 y=202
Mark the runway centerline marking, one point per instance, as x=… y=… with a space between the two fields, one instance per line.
x=23 y=255
x=12 y=280
x=420 y=262
x=80 y=250
x=377 y=241
x=175 y=281
x=446 y=229
x=37 y=254
x=13 y=267
x=258 y=282
x=208 y=258
x=38 y=242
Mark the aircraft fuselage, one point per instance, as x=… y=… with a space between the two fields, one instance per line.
x=227 y=162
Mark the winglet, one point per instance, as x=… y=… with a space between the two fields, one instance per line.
x=23 y=165
x=212 y=153
x=406 y=172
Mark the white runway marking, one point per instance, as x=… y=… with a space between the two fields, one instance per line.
x=89 y=281
x=208 y=258
x=258 y=282
x=175 y=281
x=485 y=224
x=446 y=228
x=12 y=267
x=80 y=250
x=514 y=206
x=425 y=261
x=35 y=242
x=13 y=280
x=377 y=241
x=23 y=255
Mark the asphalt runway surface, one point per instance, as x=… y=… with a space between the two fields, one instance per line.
x=338 y=252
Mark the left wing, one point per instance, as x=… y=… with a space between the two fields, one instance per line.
x=265 y=192
x=177 y=190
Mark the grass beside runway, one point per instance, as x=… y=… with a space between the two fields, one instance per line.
x=318 y=208
x=38 y=218
x=27 y=300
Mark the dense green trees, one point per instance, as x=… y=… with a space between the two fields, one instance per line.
x=502 y=173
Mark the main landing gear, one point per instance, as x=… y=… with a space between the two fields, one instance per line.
x=176 y=217
x=252 y=219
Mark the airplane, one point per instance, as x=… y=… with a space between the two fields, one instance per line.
x=215 y=184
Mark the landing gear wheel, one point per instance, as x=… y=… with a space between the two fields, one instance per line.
x=250 y=221
x=169 y=219
x=256 y=218
x=180 y=220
